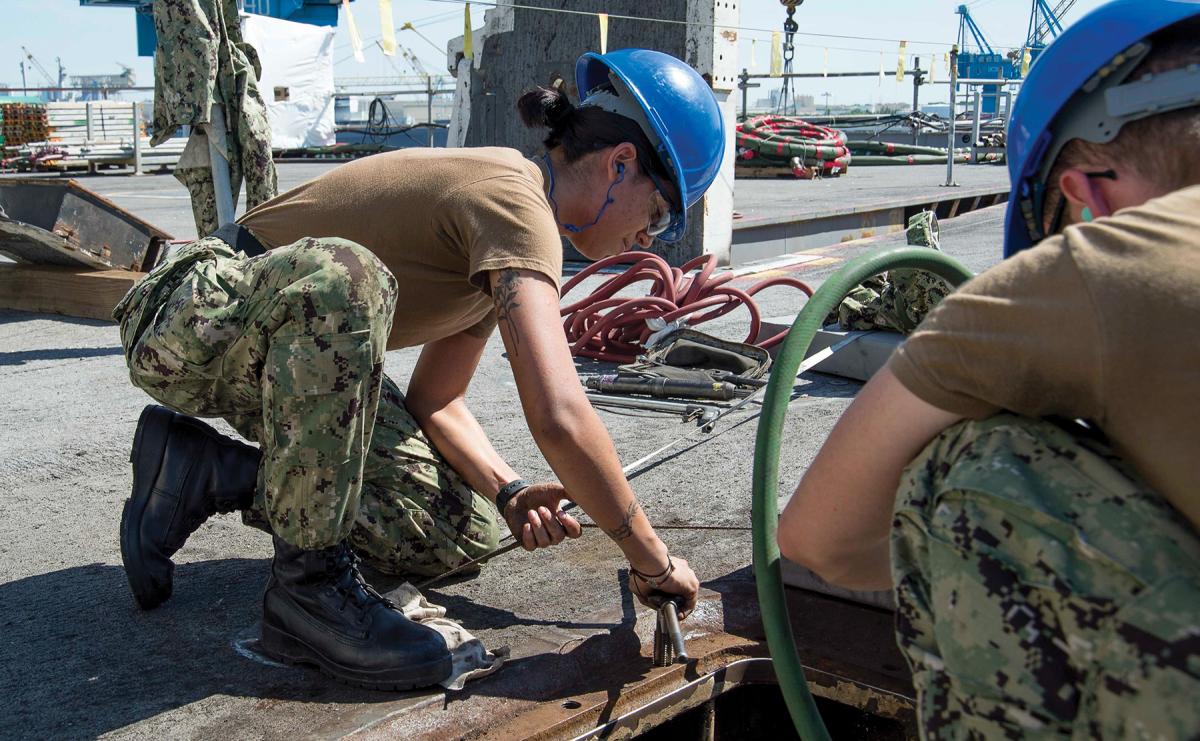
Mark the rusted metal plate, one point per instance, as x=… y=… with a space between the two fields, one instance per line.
x=605 y=679
x=59 y=222
x=691 y=695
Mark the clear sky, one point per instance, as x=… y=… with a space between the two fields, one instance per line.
x=95 y=40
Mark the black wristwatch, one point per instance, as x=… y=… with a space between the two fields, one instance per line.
x=508 y=491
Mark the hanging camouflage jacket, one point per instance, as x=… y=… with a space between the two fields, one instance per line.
x=899 y=299
x=201 y=59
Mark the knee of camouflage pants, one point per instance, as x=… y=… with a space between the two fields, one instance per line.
x=1043 y=589
x=417 y=514
x=320 y=385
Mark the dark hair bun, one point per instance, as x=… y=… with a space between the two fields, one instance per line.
x=544 y=107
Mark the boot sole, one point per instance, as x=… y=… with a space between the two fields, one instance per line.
x=149 y=445
x=289 y=650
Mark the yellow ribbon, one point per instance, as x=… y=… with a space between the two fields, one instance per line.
x=603 y=18
x=388 y=25
x=468 y=42
x=355 y=39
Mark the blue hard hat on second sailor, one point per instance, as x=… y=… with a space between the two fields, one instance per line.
x=1075 y=90
x=675 y=107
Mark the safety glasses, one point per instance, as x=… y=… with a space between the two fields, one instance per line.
x=663 y=215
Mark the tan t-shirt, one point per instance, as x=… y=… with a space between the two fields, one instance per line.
x=440 y=219
x=1101 y=323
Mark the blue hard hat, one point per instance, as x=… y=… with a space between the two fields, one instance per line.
x=1076 y=90
x=675 y=107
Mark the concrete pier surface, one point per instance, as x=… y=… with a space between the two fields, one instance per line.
x=78 y=659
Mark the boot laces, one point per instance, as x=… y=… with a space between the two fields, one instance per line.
x=343 y=564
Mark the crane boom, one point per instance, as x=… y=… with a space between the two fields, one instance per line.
x=50 y=81
x=967 y=24
x=1045 y=21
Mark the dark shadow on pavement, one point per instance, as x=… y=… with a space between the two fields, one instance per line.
x=825 y=385
x=78 y=659
x=608 y=661
x=476 y=616
x=739 y=603
x=16 y=316
x=28 y=356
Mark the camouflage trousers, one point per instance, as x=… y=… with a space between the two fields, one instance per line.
x=1042 y=590
x=288 y=348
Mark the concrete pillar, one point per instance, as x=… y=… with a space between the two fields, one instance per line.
x=518 y=48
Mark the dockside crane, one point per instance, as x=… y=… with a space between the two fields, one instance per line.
x=966 y=24
x=50 y=81
x=1043 y=21
x=1045 y=24
x=985 y=63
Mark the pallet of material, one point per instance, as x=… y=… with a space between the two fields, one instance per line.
x=79 y=124
x=52 y=289
x=83 y=153
x=22 y=122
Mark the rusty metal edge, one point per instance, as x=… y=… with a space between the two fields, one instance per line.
x=56 y=243
x=545 y=721
x=75 y=185
x=689 y=696
x=874 y=700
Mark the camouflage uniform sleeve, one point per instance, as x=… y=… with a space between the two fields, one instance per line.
x=185 y=66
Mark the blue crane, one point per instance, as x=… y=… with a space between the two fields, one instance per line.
x=1045 y=24
x=966 y=24
x=1045 y=21
x=315 y=12
x=982 y=64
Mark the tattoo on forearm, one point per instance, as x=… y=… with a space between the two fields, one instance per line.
x=506 y=304
x=625 y=529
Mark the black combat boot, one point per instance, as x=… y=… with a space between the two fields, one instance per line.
x=183 y=472
x=317 y=610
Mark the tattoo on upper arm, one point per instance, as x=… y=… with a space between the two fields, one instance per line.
x=625 y=529
x=506 y=304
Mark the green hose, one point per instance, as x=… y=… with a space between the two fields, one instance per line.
x=765 y=516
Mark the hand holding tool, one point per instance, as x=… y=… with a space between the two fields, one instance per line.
x=668 y=637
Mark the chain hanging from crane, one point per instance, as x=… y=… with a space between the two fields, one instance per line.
x=787 y=93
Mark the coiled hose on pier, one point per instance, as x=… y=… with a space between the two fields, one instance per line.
x=613 y=328
x=768 y=574
x=774 y=141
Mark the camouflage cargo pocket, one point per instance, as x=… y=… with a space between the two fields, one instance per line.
x=312 y=397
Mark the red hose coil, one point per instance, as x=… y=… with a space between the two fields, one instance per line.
x=612 y=328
